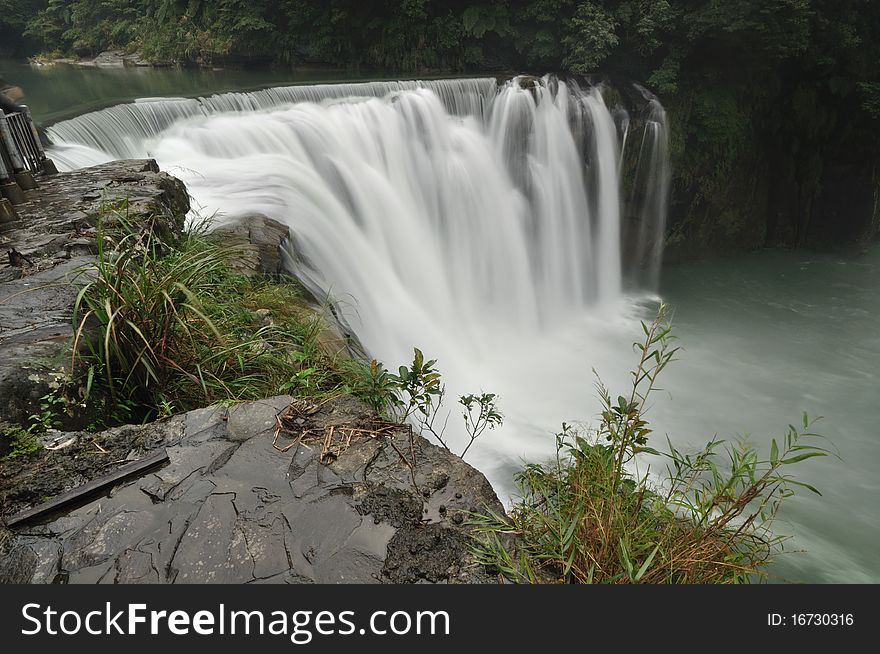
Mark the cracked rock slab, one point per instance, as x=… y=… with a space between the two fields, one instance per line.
x=230 y=507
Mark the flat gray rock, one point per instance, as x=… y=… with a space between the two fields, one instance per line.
x=236 y=505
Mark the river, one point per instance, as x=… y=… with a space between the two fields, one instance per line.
x=765 y=336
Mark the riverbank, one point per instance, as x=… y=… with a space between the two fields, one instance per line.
x=106 y=59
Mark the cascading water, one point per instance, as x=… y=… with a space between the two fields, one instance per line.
x=649 y=195
x=481 y=223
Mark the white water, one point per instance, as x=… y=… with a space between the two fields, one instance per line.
x=652 y=180
x=480 y=223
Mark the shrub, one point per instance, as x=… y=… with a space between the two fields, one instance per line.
x=416 y=395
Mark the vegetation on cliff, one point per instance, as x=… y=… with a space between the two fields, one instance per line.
x=167 y=325
x=169 y=322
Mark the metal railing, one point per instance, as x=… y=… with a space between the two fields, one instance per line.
x=22 y=158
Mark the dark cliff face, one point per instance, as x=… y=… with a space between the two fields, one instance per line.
x=765 y=202
x=745 y=180
x=760 y=210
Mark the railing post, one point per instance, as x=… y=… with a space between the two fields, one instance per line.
x=22 y=175
x=7 y=211
x=46 y=164
x=9 y=189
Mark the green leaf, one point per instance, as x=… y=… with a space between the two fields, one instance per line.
x=627 y=562
x=644 y=567
x=774 y=453
x=804 y=485
x=802 y=457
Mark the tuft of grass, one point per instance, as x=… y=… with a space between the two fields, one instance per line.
x=590 y=516
x=165 y=325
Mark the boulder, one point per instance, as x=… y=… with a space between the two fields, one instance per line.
x=257 y=242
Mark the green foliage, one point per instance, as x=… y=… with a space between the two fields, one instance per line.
x=591 y=39
x=591 y=516
x=14 y=18
x=675 y=43
x=377 y=387
x=52 y=405
x=168 y=326
x=416 y=394
x=18 y=442
x=480 y=413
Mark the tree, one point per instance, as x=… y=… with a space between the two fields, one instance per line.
x=591 y=38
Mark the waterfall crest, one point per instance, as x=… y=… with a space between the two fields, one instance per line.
x=561 y=147
x=121 y=130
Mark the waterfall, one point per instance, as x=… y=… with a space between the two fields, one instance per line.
x=481 y=222
x=649 y=197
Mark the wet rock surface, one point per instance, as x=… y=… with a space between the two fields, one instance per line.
x=58 y=218
x=258 y=241
x=80 y=457
x=55 y=232
x=334 y=497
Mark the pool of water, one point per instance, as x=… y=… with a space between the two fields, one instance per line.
x=60 y=91
x=767 y=336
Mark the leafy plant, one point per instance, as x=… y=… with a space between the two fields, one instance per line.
x=376 y=386
x=416 y=395
x=480 y=413
x=52 y=405
x=20 y=442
